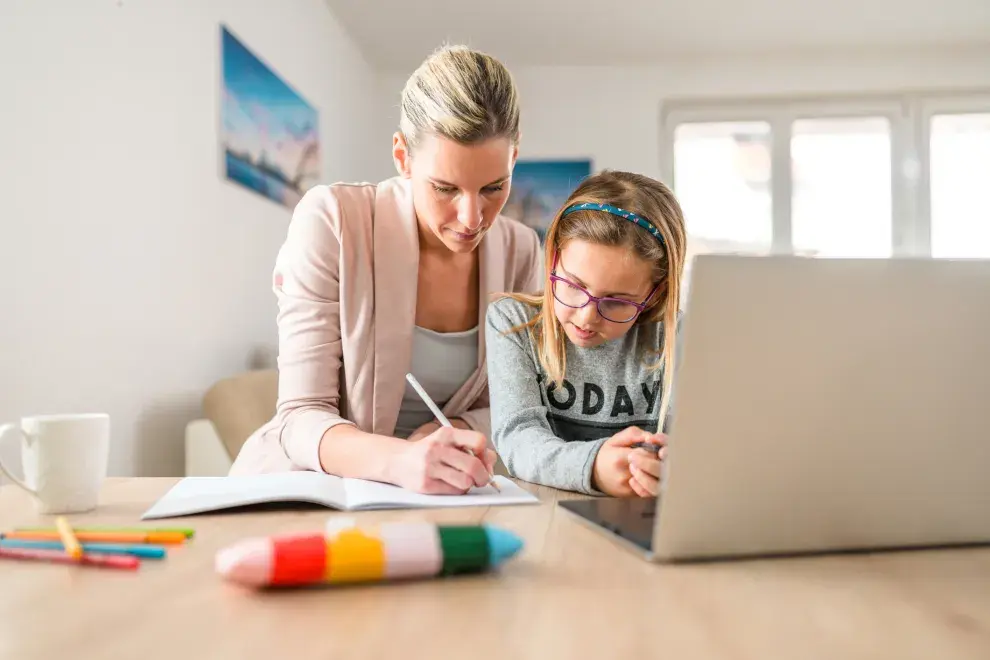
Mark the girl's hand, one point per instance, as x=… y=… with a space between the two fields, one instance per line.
x=448 y=461
x=644 y=467
x=610 y=473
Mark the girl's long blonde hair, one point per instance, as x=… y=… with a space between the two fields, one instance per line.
x=648 y=198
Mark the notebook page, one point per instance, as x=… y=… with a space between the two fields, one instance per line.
x=200 y=494
x=361 y=494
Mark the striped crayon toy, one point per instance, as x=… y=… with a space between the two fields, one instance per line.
x=390 y=551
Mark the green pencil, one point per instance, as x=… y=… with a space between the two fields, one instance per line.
x=187 y=532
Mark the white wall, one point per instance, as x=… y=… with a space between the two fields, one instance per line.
x=132 y=276
x=612 y=114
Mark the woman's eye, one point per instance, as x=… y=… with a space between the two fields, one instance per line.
x=488 y=190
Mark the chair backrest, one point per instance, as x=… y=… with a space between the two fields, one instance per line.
x=238 y=406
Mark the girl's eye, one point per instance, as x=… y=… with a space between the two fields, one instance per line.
x=490 y=190
x=445 y=190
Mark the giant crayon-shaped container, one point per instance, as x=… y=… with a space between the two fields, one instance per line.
x=390 y=551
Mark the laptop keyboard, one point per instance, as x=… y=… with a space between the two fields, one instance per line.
x=629 y=518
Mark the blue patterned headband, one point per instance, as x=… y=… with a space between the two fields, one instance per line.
x=628 y=215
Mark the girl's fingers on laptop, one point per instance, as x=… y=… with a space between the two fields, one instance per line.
x=644 y=468
x=646 y=461
x=630 y=436
x=637 y=485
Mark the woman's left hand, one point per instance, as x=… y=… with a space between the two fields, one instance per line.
x=430 y=427
x=644 y=469
x=423 y=431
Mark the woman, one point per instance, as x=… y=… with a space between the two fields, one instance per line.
x=374 y=281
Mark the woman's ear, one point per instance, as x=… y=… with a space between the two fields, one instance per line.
x=400 y=155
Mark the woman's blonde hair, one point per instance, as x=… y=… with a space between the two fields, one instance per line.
x=652 y=201
x=460 y=94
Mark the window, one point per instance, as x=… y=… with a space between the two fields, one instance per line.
x=866 y=177
x=723 y=185
x=960 y=185
x=734 y=160
x=840 y=178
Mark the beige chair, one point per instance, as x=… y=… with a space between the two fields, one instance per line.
x=233 y=408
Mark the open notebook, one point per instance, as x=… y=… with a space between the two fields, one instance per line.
x=202 y=494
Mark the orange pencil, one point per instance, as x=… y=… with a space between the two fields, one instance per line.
x=165 y=538
x=69 y=540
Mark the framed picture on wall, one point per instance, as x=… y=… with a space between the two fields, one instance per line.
x=540 y=187
x=269 y=134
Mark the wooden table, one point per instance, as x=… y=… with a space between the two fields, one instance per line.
x=571 y=594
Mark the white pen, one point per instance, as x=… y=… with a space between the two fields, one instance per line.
x=440 y=416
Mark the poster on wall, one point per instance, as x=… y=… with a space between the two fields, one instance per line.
x=540 y=187
x=269 y=134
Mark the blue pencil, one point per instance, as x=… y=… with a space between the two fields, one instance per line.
x=143 y=551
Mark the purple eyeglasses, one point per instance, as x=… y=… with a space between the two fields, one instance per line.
x=616 y=310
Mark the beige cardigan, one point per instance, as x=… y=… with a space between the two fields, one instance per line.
x=345 y=280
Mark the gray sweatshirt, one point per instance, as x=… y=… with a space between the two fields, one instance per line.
x=550 y=435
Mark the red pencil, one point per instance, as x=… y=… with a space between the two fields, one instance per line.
x=54 y=556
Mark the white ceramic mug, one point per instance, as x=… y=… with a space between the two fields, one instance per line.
x=64 y=459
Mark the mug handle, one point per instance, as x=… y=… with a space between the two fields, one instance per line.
x=4 y=430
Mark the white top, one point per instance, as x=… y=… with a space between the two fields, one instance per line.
x=441 y=362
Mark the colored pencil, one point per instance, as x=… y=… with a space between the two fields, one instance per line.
x=69 y=541
x=55 y=557
x=441 y=417
x=391 y=551
x=165 y=538
x=185 y=531
x=134 y=550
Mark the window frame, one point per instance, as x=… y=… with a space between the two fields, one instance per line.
x=910 y=134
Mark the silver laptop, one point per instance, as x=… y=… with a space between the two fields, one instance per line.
x=822 y=405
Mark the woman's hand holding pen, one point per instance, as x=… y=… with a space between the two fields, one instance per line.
x=447 y=461
x=433 y=465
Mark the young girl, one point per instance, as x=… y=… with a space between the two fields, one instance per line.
x=580 y=376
